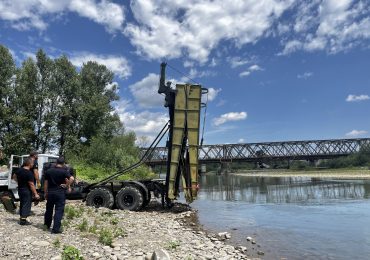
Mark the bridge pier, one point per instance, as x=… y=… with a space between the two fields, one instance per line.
x=313 y=162
x=225 y=167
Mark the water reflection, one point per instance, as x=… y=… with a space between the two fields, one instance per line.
x=281 y=190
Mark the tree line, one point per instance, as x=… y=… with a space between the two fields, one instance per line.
x=47 y=104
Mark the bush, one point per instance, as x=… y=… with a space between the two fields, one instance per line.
x=103 y=157
x=71 y=253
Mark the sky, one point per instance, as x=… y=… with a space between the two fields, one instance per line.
x=276 y=70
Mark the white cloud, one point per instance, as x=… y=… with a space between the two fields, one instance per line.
x=354 y=98
x=291 y=46
x=27 y=54
x=355 y=133
x=118 y=64
x=331 y=25
x=251 y=69
x=145 y=91
x=143 y=123
x=196 y=27
x=241 y=140
x=27 y=14
x=212 y=93
x=237 y=61
x=305 y=75
x=194 y=74
x=231 y=116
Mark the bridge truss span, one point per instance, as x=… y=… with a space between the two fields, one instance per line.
x=290 y=150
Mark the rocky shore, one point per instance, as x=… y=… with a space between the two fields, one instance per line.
x=114 y=234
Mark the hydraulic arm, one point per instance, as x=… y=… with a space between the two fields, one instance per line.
x=184 y=104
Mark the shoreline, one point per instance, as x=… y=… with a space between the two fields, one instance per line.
x=338 y=174
x=136 y=235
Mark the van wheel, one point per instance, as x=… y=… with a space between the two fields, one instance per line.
x=100 y=197
x=130 y=198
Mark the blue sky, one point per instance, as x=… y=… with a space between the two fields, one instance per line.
x=276 y=69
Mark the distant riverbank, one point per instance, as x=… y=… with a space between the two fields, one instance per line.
x=332 y=173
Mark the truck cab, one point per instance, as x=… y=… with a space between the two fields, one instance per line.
x=7 y=184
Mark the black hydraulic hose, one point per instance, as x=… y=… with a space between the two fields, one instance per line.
x=148 y=152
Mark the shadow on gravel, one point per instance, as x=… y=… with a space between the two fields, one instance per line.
x=155 y=206
x=15 y=220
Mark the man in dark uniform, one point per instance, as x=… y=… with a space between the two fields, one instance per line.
x=26 y=188
x=35 y=169
x=57 y=182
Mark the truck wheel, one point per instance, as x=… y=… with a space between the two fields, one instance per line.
x=100 y=197
x=130 y=198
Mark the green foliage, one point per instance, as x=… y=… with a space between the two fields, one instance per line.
x=106 y=237
x=65 y=224
x=114 y=221
x=173 y=244
x=83 y=226
x=56 y=243
x=104 y=157
x=299 y=165
x=93 y=229
x=360 y=159
x=71 y=253
x=48 y=105
x=119 y=232
x=71 y=212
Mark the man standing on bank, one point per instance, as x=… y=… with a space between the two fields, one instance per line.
x=57 y=182
x=26 y=188
x=35 y=168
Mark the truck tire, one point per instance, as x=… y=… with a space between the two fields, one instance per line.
x=130 y=198
x=7 y=199
x=100 y=197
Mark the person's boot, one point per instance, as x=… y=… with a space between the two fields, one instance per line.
x=24 y=222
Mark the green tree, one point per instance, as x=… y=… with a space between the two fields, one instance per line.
x=19 y=136
x=97 y=94
x=67 y=125
x=46 y=103
x=7 y=73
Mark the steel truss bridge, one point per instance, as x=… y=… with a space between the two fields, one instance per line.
x=258 y=152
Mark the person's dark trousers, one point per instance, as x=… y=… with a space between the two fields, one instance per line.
x=25 y=199
x=57 y=199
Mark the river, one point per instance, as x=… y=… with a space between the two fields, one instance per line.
x=289 y=217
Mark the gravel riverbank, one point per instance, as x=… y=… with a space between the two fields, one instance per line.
x=115 y=234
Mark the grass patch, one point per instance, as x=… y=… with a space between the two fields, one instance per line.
x=56 y=243
x=71 y=212
x=119 y=232
x=106 y=237
x=83 y=226
x=173 y=244
x=114 y=221
x=93 y=229
x=65 y=224
x=71 y=253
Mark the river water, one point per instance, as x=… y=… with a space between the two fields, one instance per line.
x=290 y=218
